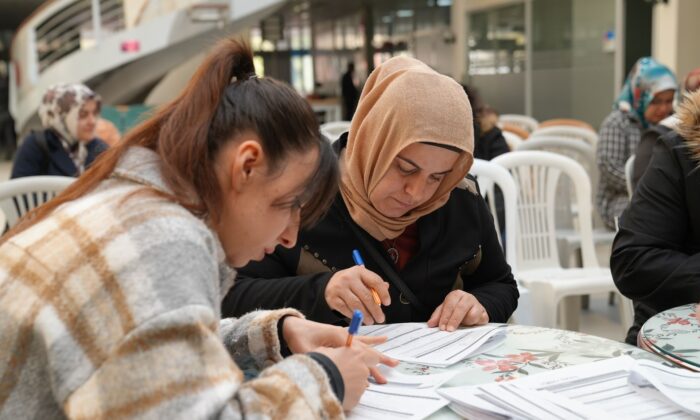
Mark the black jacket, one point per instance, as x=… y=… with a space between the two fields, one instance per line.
x=31 y=160
x=490 y=144
x=644 y=150
x=656 y=254
x=459 y=236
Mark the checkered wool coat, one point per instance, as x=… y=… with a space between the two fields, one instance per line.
x=109 y=308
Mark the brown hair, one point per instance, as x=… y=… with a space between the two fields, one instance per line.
x=222 y=100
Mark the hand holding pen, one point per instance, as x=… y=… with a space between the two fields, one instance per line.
x=358 y=288
x=359 y=261
x=354 y=326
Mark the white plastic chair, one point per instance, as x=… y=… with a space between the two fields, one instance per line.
x=19 y=196
x=582 y=152
x=489 y=175
x=523 y=121
x=333 y=130
x=513 y=140
x=536 y=174
x=569 y=132
x=629 y=168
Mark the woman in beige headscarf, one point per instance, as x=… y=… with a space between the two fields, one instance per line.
x=428 y=241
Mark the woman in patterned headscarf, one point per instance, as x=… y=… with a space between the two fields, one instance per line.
x=645 y=99
x=67 y=145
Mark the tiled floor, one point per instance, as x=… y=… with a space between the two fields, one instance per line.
x=603 y=320
x=600 y=319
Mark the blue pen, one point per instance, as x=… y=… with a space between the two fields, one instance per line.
x=358 y=261
x=354 y=326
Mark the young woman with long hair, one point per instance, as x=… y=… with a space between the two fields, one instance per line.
x=110 y=293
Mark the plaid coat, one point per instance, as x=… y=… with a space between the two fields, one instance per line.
x=109 y=308
x=619 y=136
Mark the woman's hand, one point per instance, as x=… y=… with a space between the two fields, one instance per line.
x=355 y=363
x=350 y=289
x=458 y=308
x=303 y=336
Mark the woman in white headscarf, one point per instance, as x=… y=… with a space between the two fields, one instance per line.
x=67 y=144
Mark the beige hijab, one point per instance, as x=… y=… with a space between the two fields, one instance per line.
x=403 y=102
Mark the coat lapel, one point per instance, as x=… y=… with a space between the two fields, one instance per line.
x=60 y=158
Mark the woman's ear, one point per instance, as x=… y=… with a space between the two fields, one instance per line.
x=246 y=163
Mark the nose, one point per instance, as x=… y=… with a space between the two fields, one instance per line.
x=669 y=108
x=414 y=187
x=288 y=238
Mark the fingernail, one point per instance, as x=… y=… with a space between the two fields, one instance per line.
x=442 y=327
x=450 y=328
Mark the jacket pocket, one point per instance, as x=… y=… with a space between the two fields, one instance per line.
x=471 y=264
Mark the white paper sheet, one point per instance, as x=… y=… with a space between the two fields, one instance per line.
x=597 y=390
x=396 y=378
x=416 y=343
x=679 y=386
x=386 y=402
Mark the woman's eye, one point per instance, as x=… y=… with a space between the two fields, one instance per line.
x=436 y=178
x=406 y=171
x=292 y=204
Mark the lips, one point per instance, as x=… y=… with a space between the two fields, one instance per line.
x=403 y=205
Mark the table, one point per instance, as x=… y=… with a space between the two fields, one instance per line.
x=674 y=334
x=526 y=351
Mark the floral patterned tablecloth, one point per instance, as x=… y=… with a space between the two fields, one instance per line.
x=526 y=351
x=674 y=334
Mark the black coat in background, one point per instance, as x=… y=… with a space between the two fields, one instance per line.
x=31 y=160
x=490 y=144
x=656 y=254
x=458 y=237
x=350 y=95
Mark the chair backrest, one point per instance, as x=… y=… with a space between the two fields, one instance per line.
x=518 y=131
x=554 y=122
x=629 y=168
x=489 y=175
x=513 y=140
x=581 y=152
x=19 y=196
x=523 y=121
x=569 y=132
x=536 y=175
x=334 y=129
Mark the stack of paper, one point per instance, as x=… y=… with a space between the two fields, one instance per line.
x=386 y=402
x=416 y=343
x=617 y=388
x=413 y=397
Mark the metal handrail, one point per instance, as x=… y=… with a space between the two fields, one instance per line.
x=61 y=33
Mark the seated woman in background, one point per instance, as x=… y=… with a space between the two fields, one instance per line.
x=642 y=156
x=488 y=138
x=405 y=204
x=67 y=144
x=656 y=254
x=111 y=292
x=645 y=99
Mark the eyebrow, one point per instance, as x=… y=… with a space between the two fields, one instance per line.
x=418 y=166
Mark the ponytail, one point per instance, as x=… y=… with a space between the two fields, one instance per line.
x=222 y=100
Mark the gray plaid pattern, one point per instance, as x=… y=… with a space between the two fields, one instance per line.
x=619 y=136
